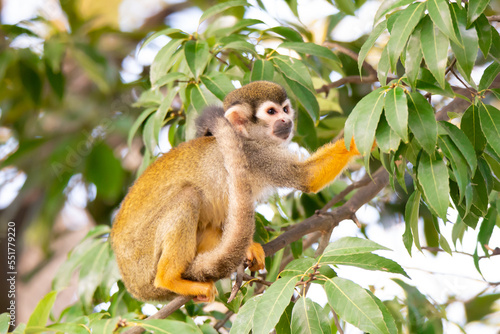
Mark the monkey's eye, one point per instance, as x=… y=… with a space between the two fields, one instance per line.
x=271 y=111
x=285 y=109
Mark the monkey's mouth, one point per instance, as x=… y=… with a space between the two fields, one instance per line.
x=282 y=130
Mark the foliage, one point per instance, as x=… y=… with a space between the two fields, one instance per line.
x=433 y=163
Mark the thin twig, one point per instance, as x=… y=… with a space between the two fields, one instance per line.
x=259 y=280
x=164 y=312
x=369 y=68
x=337 y=322
x=340 y=196
x=221 y=322
x=240 y=271
x=323 y=242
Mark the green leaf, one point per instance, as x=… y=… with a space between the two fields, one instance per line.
x=4 y=323
x=219 y=8
x=368 y=102
x=396 y=112
x=383 y=67
x=161 y=113
x=471 y=126
x=388 y=5
x=366 y=261
x=422 y=121
x=466 y=51
x=164 y=60
x=440 y=15
x=295 y=70
x=56 y=80
x=241 y=24
x=309 y=317
x=433 y=177
x=20 y=329
x=422 y=315
x=411 y=221
x=40 y=315
x=311 y=49
x=444 y=244
x=355 y=305
x=298 y=267
x=197 y=55
x=435 y=49
x=495 y=45
x=346 y=6
x=403 y=27
x=458 y=163
x=244 y=320
x=484 y=34
x=462 y=142
x=272 y=304
x=104 y=326
x=31 y=81
x=305 y=97
x=352 y=245
x=218 y=84
x=486 y=229
x=170 y=77
x=170 y=32
x=476 y=309
x=150 y=141
x=368 y=44
x=199 y=99
x=164 y=326
x=242 y=46
x=490 y=123
x=262 y=70
x=480 y=194
x=283 y=326
x=105 y=171
x=388 y=317
x=387 y=139
x=428 y=83
x=367 y=120
x=289 y=33
x=476 y=8
x=138 y=122
x=489 y=74
x=413 y=56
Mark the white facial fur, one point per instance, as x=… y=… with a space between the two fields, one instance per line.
x=265 y=114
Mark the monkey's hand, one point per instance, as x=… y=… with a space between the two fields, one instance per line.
x=255 y=257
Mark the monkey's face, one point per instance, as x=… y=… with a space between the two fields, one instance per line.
x=276 y=120
x=268 y=121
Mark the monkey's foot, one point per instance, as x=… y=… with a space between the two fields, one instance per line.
x=207 y=297
x=203 y=291
x=255 y=257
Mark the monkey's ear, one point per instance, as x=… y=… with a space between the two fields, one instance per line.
x=239 y=115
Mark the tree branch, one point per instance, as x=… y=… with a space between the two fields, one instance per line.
x=322 y=222
x=164 y=312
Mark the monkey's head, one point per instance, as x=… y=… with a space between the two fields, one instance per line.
x=261 y=110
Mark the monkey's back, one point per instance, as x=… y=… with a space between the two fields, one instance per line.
x=140 y=221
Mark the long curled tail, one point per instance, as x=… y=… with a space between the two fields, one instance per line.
x=239 y=227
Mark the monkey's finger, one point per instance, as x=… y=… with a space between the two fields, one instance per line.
x=256 y=257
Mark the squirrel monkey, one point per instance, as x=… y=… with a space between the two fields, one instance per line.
x=188 y=219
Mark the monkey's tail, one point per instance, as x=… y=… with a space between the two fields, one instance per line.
x=239 y=228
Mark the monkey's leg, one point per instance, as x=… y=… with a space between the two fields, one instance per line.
x=177 y=247
x=255 y=257
x=326 y=163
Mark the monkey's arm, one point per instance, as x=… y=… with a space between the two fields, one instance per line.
x=325 y=164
